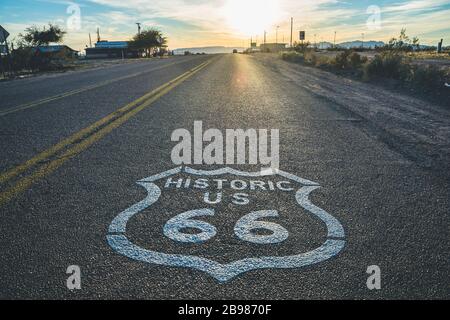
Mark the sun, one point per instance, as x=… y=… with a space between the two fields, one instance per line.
x=251 y=17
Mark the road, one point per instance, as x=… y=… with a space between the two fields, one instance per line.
x=74 y=147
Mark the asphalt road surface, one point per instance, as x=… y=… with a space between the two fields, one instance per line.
x=74 y=147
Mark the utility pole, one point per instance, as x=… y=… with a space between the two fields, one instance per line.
x=315 y=40
x=98 y=35
x=265 y=35
x=139 y=37
x=292 y=30
x=139 y=29
x=335 y=39
x=362 y=43
x=90 y=40
x=276 y=37
x=439 y=48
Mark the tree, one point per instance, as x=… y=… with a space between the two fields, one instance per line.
x=149 y=40
x=301 y=46
x=403 y=43
x=35 y=36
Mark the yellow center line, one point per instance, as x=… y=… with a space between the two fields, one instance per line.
x=83 y=139
x=75 y=137
x=33 y=104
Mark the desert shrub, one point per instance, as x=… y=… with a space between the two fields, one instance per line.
x=429 y=78
x=356 y=60
x=21 y=59
x=25 y=59
x=310 y=57
x=348 y=59
x=302 y=47
x=321 y=61
x=388 y=65
x=402 y=44
x=341 y=61
x=292 y=56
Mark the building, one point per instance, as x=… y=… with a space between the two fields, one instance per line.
x=56 y=51
x=2 y=49
x=273 y=47
x=111 y=49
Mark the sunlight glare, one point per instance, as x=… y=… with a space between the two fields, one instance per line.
x=251 y=17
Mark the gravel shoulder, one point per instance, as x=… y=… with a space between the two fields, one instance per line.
x=419 y=129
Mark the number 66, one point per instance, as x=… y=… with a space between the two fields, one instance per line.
x=243 y=228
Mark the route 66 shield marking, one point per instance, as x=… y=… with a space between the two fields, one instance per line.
x=332 y=246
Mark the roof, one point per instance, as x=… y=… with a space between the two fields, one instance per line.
x=273 y=44
x=54 y=48
x=112 y=44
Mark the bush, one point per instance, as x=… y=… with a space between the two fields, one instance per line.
x=292 y=56
x=348 y=59
x=311 y=58
x=302 y=47
x=21 y=59
x=388 y=65
x=356 y=60
x=341 y=61
x=429 y=78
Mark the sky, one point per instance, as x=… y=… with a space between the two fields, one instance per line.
x=231 y=23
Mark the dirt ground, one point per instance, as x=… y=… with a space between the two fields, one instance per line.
x=441 y=60
x=407 y=122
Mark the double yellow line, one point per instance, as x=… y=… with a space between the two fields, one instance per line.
x=33 y=104
x=52 y=158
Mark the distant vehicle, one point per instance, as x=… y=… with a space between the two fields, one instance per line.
x=235 y=51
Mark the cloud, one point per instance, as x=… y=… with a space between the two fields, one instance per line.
x=417 y=5
x=205 y=22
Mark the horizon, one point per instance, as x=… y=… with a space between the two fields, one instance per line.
x=231 y=23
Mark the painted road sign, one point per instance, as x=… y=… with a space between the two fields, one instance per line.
x=3 y=34
x=302 y=35
x=240 y=190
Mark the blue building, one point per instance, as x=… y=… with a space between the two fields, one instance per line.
x=111 y=49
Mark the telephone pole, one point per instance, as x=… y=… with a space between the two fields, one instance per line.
x=335 y=39
x=276 y=37
x=292 y=30
x=139 y=29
